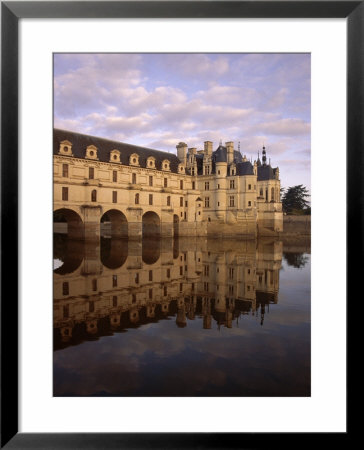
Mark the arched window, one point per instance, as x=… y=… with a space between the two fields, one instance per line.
x=94 y=196
x=137 y=199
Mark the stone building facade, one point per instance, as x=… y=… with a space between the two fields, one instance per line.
x=134 y=190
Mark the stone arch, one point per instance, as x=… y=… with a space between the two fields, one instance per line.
x=151 y=224
x=114 y=223
x=75 y=227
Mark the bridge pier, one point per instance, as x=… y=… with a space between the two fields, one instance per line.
x=91 y=217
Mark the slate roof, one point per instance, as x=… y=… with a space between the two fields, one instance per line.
x=220 y=155
x=266 y=172
x=104 y=147
x=244 y=168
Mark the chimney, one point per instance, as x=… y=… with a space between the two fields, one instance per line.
x=230 y=152
x=208 y=147
x=182 y=152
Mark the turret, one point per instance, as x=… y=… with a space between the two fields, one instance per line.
x=182 y=152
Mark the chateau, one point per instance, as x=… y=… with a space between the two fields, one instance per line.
x=130 y=191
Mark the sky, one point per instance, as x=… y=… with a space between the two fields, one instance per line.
x=159 y=100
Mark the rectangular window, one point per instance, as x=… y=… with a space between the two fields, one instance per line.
x=151 y=199
x=207 y=202
x=136 y=278
x=206 y=286
x=232 y=184
x=168 y=273
x=65 y=170
x=114 y=196
x=186 y=203
x=133 y=298
x=114 y=280
x=193 y=184
x=114 y=301
x=181 y=270
x=91 y=173
x=150 y=293
x=249 y=203
x=91 y=306
x=249 y=186
x=207 y=186
x=114 y=176
x=65 y=288
x=185 y=215
x=192 y=286
x=218 y=186
x=66 y=312
x=181 y=201
x=231 y=290
x=193 y=171
x=151 y=275
x=165 y=291
x=94 y=285
x=133 y=178
x=206 y=270
x=165 y=181
x=150 y=180
x=181 y=287
x=168 y=201
x=232 y=201
x=65 y=194
x=231 y=273
x=181 y=184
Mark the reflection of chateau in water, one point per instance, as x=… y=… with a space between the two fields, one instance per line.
x=120 y=284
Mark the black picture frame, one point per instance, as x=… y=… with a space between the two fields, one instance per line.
x=11 y=12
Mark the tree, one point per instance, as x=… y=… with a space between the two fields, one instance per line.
x=294 y=200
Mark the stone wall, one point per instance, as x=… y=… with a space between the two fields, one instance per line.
x=297 y=225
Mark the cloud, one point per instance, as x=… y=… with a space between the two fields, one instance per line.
x=284 y=127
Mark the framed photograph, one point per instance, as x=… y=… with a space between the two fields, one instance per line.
x=168 y=291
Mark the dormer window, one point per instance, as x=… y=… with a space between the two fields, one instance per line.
x=134 y=160
x=65 y=148
x=181 y=168
x=165 y=164
x=115 y=156
x=91 y=152
x=151 y=163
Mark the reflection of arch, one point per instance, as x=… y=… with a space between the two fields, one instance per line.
x=113 y=252
x=68 y=251
x=175 y=247
x=75 y=228
x=151 y=249
x=117 y=223
x=175 y=225
x=151 y=224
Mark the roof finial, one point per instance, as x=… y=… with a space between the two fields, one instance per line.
x=239 y=146
x=264 y=157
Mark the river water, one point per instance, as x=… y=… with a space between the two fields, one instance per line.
x=181 y=317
